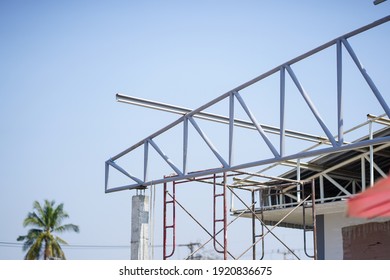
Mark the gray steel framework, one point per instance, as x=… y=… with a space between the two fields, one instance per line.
x=334 y=143
x=285 y=192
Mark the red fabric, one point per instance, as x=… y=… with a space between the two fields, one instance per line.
x=373 y=202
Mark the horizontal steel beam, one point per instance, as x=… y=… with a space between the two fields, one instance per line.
x=379 y=119
x=216 y=118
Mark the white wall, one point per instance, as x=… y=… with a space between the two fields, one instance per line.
x=333 y=223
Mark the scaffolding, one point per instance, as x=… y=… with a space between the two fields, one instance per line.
x=255 y=213
x=325 y=173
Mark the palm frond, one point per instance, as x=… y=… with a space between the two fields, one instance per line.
x=48 y=213
x=35 y=250
x=57 y=250
x=61 y=241
x=37 y=206
x=21 y=237
x=39 y=210
x=59 y=215
x=33 y=219
x=67 y=227
x=31 y=237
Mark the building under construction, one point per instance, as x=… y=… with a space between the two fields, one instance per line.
x=272 y=174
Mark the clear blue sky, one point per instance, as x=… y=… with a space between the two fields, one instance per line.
x=62 y=62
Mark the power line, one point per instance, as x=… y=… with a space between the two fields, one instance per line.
x=81 y=246
x=97 y=247
x=10 y=244
x=68 y=246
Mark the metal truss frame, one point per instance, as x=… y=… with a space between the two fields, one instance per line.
x=333 y=143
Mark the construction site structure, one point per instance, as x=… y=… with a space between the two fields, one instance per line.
x=302 y=179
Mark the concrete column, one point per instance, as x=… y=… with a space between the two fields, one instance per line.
x=140 y=227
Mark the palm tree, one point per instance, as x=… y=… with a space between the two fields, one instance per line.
x=46 y=220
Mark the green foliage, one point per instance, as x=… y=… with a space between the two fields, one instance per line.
x=40 y=240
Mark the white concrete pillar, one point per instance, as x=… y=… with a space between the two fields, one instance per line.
x=140 y=227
